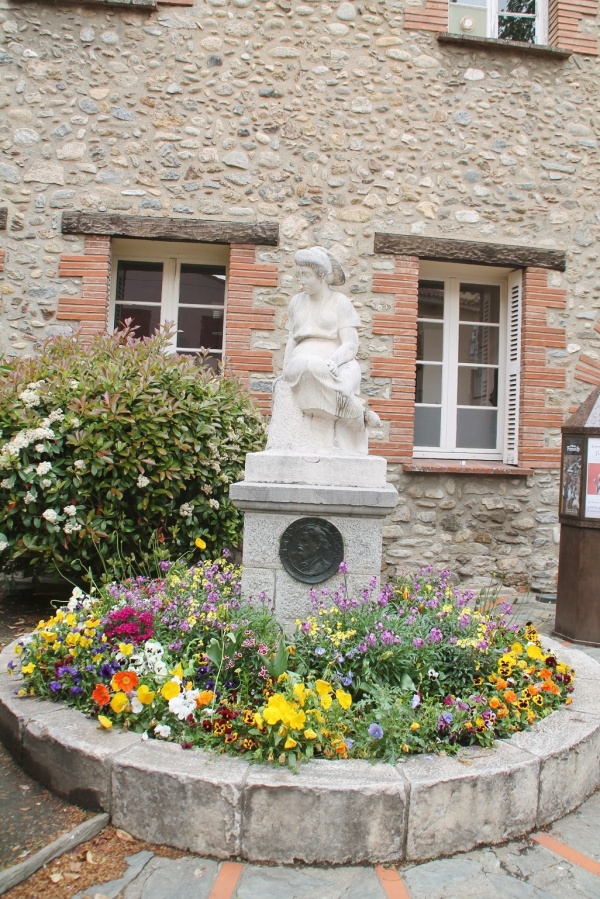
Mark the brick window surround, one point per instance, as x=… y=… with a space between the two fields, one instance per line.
x=244 y=315
x=537 y=375
x=567 y=22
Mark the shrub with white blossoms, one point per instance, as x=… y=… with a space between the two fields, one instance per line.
x=110 y=448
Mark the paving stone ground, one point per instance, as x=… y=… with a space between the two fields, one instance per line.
x=562 y=863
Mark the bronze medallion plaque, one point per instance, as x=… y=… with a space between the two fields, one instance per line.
x=311 y=550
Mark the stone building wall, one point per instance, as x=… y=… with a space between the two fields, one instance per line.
x=333 y=121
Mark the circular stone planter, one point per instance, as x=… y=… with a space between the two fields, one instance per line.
x=331 y=812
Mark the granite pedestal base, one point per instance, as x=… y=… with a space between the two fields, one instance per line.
x=357 y=512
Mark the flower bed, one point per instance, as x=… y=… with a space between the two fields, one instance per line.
x=413 y=667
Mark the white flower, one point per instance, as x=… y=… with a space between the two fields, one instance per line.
x=56 y=415
x=163 y=730
x=186 y=510
x=75 y=422
x=3 y=544
x=136 y=705
x=79 y=464
x=50 y=515
x=159 y=668
x=143 y=481
x=184 y=704
x=73 y=384
x=213 y=503
x=29 y=397
x=39 y=447
x=29 y=497
x=207 y=489
x=42 y=434
x=70 y=510
x=43 y=468
x=46 y=482
x=71 y=526
x=5 y=483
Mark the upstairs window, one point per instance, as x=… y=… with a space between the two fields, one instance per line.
x=508 y=20
x=156 y=282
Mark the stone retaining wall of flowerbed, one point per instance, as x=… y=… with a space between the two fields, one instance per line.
x=336 y=812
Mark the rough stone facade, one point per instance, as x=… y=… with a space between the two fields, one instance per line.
x=334 y=121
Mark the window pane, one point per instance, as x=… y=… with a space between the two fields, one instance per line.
x=431 y=299
x=145 y=318
x=516 y=28
x=428 y=384
x=479 y=303
x=430 y=342
x=427 y=426
x=202 y=285
x=517 y=6
x=478 y=343
x=476 y=429
x=139 y=282
x=200 y=328
x=477 y=386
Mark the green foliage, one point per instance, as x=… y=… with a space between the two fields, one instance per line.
x=108 y=448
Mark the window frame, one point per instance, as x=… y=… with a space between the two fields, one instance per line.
x=172 y=254
x=492 y=9
x=508 y=348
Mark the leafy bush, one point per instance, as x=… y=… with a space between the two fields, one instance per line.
x=110 y=447
x=412 y=668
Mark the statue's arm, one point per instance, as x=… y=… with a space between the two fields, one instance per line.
x=346 y=351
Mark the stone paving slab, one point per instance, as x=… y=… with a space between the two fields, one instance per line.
x=308 y=883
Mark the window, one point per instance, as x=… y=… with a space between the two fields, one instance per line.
x=156 y=282
x=466 y=389
x=509 y=20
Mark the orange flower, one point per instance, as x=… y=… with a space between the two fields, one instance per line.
x=494 y=702
x=101 y=695
x=204 y=698
x=545 y=674
x=550 y=687
x=502 y=684
x=502 y=712
x=510 y=696
x=532 y=690
x=124 y=681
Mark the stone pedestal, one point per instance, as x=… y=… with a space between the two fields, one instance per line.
x=350 y=492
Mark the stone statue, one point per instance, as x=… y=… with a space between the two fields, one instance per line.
x=316 y=404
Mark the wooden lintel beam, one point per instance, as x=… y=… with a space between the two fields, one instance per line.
x=477 y=253
x=158 y=228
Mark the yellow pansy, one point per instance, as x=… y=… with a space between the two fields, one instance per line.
x=145 y=695
x=105 y=722
x=344 y=699
x=200 y=543
x=322 y=687
x=170 y=689
x=126 y=648
x=119 y=702
x=178 y=671
x=300 y=693
x=28 y=669
x=310 y=734
x=71 y=619
x=534 y=651
x=289 y=743
x=326 y=701
x=258 y=720
x=517 y=648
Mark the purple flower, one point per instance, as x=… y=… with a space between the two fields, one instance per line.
x=164 y=566
x=375 y=731
x=415 y=701
x=76 y=691
x=319 y=651
x=343 y=569
x=55 y=686
x=435 y=635
x=418 y=642
x=347 y=680
x=349 y=742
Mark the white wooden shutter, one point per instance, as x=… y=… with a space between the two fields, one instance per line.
x=511 y=409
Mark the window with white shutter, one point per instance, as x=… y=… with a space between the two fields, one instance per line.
x=467 y=363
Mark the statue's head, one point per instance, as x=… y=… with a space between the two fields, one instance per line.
x=323 y=264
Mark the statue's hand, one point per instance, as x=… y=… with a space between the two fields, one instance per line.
x=332 y=366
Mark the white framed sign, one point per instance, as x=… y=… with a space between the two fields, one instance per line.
x=592 y=479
